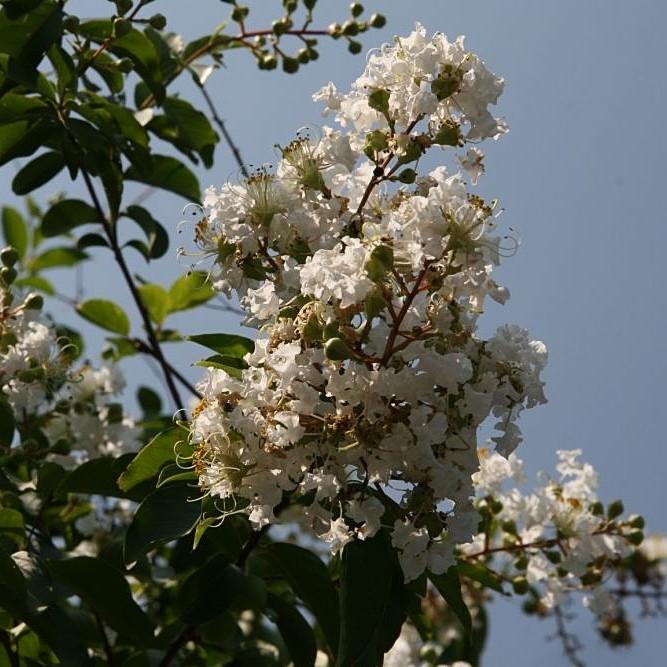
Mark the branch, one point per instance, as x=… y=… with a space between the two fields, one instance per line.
x=188 y=633
x=148 y=325
x=223 y=128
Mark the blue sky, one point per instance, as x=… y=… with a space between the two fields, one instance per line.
x=580 y=176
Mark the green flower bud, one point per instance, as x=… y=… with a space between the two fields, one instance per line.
x=121 y=27
x=123 y=6
x=615 y=509
x=520 y=585
x=335 y=30
x=521 y=563
x=554 y=556
x=290 y=65
x=509 y=527
x=303 y=56
x=356 y=9
x=374 y=304
x=636 y=521
x=281 y=26
x=240 y=13
x=9 y=256
x=597 y=508
x=7 y=275
x=636 y=537
x=290 y=6
x=158 y=21
x=34 y=301
x=378 y=21
x=71 y=23
x=337 y=349
x=125 y=65
x=354 y=47
x=350 y=28
x=309 y=4
x=268 y=62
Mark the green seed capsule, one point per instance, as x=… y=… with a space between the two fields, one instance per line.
x=337 y=349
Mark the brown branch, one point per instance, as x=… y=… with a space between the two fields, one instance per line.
x=225 y=133
x=145 y=317
x=389 y=348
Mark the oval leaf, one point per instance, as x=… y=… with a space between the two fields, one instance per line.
x=167 y=513
x=105 y=314
x=66 y=215
x=37 y=172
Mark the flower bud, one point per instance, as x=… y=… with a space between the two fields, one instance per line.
x=337 y=349
x=240 y=13
x=520 y=585
x=71 y=23
x=354 y=47
x=125 y=65
x=636 y=521
x=123 y=6
x=356 y=9
x=290 y=65
x=33 y=301
x=121 y=27
x=615 y=509
x=350 y=28
x=447 y=135
x=378 y=20
x=9 y=256
x=597 y=508
x=267 y=62
x=7 y=275
x=636 y=537
x=158 y=21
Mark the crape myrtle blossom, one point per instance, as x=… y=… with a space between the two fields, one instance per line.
x=368 y=384
x=72 y=409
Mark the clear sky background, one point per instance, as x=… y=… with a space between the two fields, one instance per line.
x=581 y=177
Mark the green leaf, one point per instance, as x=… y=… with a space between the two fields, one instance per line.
x=156 y=235
x=15 y=230
x=21 y=138
x=12 y=525
x=373 y=604
x=37 y=172
x=227 y=345
x=310 y=580
x=64 y=67
x=147 y=463
x=7 y=424
x=190 y=290
x=92 y=241
x=169 y=512
x=97 y=476
x=156 y=300
x=296 y=632
x=194 y=131
x=105 y=314
x=57 y=257
x=209 y=591
x=38 y=283
x=27 y=37
x=149 y=401
x=66 y=215
x=167 y=173
x=231 y=365
x=104 y=589
x=449 y=586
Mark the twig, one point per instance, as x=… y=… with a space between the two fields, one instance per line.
x=223 y=128
x=571 y=645
x=181 y=640
x=120 y=260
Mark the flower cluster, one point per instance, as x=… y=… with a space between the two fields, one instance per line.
x=70 y=412
x=364 y=395
x=557 y=538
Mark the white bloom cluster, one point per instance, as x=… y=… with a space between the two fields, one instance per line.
x=73 y=409
x=365 y=395
x=556 y=538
